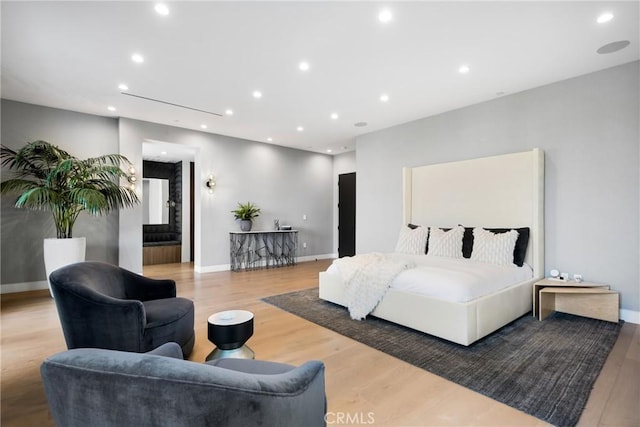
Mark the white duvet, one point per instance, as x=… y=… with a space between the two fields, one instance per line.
x=453 y=279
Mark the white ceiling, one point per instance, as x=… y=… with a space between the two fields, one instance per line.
x=212 y=55
x=160 y=151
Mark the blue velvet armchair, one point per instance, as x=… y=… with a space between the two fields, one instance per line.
x=104 y=388
x=104 y=306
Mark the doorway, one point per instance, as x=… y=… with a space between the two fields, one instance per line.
x=162 y=210
x=181 y=205
x=346 y=214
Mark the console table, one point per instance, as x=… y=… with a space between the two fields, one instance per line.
x=262 y=249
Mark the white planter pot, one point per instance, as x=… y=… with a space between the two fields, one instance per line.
x=61 y=252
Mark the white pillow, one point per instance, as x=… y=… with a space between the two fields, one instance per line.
x=446 y=243
x=493 y=248
x=412 y=241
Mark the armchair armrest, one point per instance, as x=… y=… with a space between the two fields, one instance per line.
x=90 y=319
x=144 y=289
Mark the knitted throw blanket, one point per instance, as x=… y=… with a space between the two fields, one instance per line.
x=367 y=278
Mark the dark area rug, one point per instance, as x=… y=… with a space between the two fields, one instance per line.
x=546 y=369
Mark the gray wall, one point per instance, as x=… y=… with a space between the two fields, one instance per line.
x=588 y=128
x=22 y=231
x=285 y=183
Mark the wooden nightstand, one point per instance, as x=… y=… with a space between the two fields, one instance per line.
x=586 y=299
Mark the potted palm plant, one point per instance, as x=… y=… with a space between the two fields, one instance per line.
x=246 y=212
x=46 y=177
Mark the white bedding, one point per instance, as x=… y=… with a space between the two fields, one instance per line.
x=453 y=279
x=367 y=278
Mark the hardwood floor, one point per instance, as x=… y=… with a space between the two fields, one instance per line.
x=363 y=385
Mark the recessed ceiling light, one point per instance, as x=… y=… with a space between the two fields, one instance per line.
x=111 y=108
x=384 y=97
x=162 y=9
x=334 y=116
x=137 y=58
x=329 y=150
x=299 y=128
x=270 y=139
x=229 y=112
x=464 y=69
x=163 y=153
x=605 y=17
x=123 y=86
x=385 y=15
x=613 y=47
x=257 y=94
x=203 y=126
x=303 y=66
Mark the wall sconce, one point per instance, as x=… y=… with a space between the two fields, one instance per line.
x=131 y=178
x=210 y=183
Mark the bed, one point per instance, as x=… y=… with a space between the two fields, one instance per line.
x=505 y=191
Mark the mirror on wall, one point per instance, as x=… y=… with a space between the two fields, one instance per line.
x=155 y=193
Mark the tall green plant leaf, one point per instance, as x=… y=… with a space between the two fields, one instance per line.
x=46 y=177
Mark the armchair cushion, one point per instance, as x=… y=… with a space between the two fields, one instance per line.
x=112 y=388
x=169 y=319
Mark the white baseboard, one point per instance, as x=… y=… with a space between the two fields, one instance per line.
x=630 y=316
x=12 y=288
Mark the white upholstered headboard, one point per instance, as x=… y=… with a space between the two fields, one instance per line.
x=499 y=191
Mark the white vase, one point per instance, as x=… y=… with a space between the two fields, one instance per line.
x=61 y=252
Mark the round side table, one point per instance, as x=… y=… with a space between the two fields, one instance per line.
x=229 y=331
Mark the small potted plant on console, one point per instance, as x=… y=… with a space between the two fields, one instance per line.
x=246 y=212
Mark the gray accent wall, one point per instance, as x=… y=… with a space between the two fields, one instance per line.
x=23 y=231
x=588 y=127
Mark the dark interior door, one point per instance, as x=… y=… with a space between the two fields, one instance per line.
x=347 y=214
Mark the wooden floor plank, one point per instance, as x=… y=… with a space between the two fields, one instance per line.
x=362 y=383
